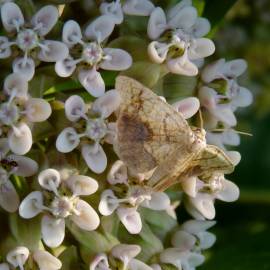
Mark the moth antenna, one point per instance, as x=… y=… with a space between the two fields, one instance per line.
x=237 y=131
x=201 y=119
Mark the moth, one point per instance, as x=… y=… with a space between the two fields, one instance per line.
x=152 y=135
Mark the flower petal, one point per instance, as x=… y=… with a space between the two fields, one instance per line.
x=135 y=264
x=231 y=137
x=66 y=67
x=229 y=193
x=82 y=185
x=72 y=33
x=100 y=262
x=138 y=7
x=9 y=199
x=208 y=97
x=16 y=82
x=187 y=107
x=200 y=28
x=100 y=28
x=24 y=166
x=225 y=114
x=108 y=203
x=213 y=71
x=45 y=19
x=25 y=67
x=158 y=51
x=67 y=140
x=234 y=68
x=118 y=173
x=234 y=156
x=12 y=17
x=157 y=23
x=46 y=261
x=107 y=104
x=95 y=157
x=200 y=48
x=244 y=97
x=88 y=219
x=195 y=259
x=125 y=252
x=159 y=201
x=4 y=147
x=116 y=59
x=4 y=266
x=178 y=7
x=49 y=179
x=18 y=256
x=207 y=239
x=183 y=240
x=131 y=219
x=37 y=109
x=75 y=108
x=189 y=186
x=20 y=139
x=52 y=51
x=5 y=50
x=113 y=9
x=196 y=226
x=30 y=206
x=171 y=256
x=53 y=231
x=92 y=81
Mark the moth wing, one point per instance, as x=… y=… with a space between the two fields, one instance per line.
x=148 y=129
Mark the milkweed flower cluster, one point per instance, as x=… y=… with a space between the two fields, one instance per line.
x=66 y=199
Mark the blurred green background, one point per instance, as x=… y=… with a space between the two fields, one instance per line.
x=243 y=227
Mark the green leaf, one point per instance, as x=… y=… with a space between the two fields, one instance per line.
x=69 y=258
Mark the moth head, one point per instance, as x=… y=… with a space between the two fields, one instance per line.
x=199 y=135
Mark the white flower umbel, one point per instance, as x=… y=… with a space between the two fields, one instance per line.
x=29 y=38
x=87 y=53
x=201 y=195
x=12 y=165
x=17 y=111
x=90 y=128
x=178 y=38
x=59 y=200
x=126 y=196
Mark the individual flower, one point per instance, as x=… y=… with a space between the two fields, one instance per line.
x=60 y=199
x=29 y=38
x=19 y=257
x=87 y=53
x=18 y=110
x=125 y=197
x=121 y=256
x=178 y=38
x=201 y=194
x=130 y=7
x=90 y=128
x=12 y=165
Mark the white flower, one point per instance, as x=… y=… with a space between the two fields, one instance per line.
x=92 y=55
x=178 y=38
x=30 y=38
x=18 y=257
x=18 y=110
x=64 y=203
x=93 y=126
x=127 y=200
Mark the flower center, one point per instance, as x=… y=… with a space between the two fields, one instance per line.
x=9 y=114
x=92 y=53
x=27 y=40
x=96 y=129
x=62 y=206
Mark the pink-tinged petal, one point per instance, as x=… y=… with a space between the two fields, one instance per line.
x=9 y=199
x=157 y=23
x=234 y=68
x=125 y=252
x=234 y=156
x=131 y=219
x=53 y=51
x=187 y=107
x=31 y=205
x=135 y=264
x=5 y=50
x=189 y=186
x=100 y=262
x=159 y=201
x=67 y=140
x=208 y=97
x=25 y=166
x=157 y=51
x=107 y=104
x=118 y=173
x=206 y=239
x=16 y=83
x=184 y=19
x=37 y=110
x=18 y=256
x=200 y=28
x=45 y=19
x=183 y=240
x=138 y=7
x=75 y=108
x=46 y=261
x=200 y=48
x=72 y=33
x=244 y=97
x=82 y=185
x=196 y=226
x=92 y=81
x=116 y=59
x=66 y=67
x=52 y=230
x=100 y=29
x=20 y=139
x=108 y=203
x=4 y=266
x=24 y=67
x=95 y=157
x=229 y=193
x=225 y=114
x=12 y=17
x=49 y=179
x=182 y=66
x=87 y=219
x=213 y=71
x=113 y=9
